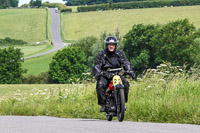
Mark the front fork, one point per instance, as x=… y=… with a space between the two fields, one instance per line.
x=116 y=95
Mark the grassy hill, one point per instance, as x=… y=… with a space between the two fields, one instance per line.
x=25 y=24
x=79 y=25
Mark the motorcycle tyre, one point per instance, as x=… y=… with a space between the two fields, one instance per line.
x=109 y=117
x=120 y=115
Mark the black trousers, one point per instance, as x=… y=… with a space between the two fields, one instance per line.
x=102 y=85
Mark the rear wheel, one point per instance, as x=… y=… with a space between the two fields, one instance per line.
x=121 y=106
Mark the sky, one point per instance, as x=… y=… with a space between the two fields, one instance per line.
x=21 y=2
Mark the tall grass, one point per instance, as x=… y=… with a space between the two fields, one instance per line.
x=79 y=25
x=153 y=98
x=25 y=24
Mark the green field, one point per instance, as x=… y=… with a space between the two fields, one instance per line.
x=153 y=99
x=32 y=50
x=25 y=24
x=37 y=65
x=79 y=25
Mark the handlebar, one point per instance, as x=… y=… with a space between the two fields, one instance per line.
x=120 y=71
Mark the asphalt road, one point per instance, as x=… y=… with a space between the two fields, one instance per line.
x=55 y=32
x=44 y=124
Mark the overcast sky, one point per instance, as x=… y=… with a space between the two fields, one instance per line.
x=21 y=2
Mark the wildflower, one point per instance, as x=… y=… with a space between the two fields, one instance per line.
x=163 y=65
x=43 y=93
x=180 y=70
x=18 y=90
x=46 y=90
x=34 y=89
x=162 y=80
x=167 y=71
x=139 y=79
x=149 y=86
x=158 y=67
x=47 y=98
x=162 y=73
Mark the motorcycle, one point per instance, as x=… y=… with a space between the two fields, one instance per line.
x=115 y=98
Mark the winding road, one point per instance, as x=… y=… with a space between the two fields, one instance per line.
x=44 y=124
x=55 y=32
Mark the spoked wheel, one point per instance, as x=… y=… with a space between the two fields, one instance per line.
x=121 y=106
x=109 y=117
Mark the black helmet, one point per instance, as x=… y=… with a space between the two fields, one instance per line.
x=111 y=40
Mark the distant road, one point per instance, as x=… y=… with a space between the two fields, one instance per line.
x=45 y=124
x=55 y=32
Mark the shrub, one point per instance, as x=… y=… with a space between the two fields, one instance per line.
x=11 y=65
x=9 y=41
x=68 y=65
x=66 y=10
x=42 y=78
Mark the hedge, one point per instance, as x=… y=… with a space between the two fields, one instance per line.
x=137 y=4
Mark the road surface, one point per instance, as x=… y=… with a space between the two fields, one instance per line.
x=45 y=124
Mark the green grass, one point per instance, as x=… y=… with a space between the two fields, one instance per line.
x=25 y=24
x=79 y=25
x=32 y=50
x=37 y=65
x=49 y=25
x=150 y=100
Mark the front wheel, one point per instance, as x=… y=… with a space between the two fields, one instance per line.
x=109 y=117
x=121 y=106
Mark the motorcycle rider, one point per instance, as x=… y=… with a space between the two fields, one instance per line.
x=111 y=58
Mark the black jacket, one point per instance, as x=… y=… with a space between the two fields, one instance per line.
x=105 y=60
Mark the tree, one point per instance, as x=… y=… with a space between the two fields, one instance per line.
x=147 y=46
x=11 y=65
x=68 y=65
x=8 y=3
x=36 y=3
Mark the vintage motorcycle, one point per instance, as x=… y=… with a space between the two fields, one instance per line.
x=115 y=98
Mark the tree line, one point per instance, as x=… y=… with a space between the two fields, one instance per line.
x=138 y=4
x=8 y=3
x=92 y=2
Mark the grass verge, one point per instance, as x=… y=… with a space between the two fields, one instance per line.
x=150 y=100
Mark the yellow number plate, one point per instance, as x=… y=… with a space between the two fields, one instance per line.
x=117 y=80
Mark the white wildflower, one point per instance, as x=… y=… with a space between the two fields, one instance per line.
x=158 y=67
x=43 y=93
x=180 y=70
x=163 y=65
x=153 y=70
x=34 y=89
x=46 y=90
x=149 y=86
x=162 y=80
x=162 y=73
x=167 y=71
